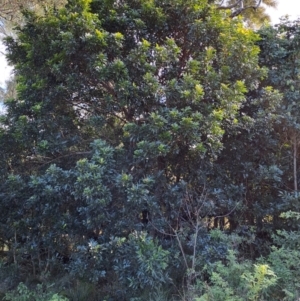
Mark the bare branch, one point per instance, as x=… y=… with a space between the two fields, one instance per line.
x=241 y=9
x=230 y=6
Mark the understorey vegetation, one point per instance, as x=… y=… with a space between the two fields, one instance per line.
x=149 y=151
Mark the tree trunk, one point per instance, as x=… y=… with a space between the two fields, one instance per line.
x=295 y=164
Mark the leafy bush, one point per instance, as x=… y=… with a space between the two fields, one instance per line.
x=284 y=259
x=236 y=281
x=23 y=293
x=141 y=264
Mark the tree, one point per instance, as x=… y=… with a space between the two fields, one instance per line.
x=262 y=157
x=159 y=89
x=280 y=51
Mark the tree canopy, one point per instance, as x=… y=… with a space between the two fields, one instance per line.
x=152 y=143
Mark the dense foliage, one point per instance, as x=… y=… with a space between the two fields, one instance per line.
x=150 y=152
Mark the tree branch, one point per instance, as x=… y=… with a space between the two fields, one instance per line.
x=230 y=6
x=241 y=9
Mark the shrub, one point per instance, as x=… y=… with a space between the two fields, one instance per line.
x=23 y=293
